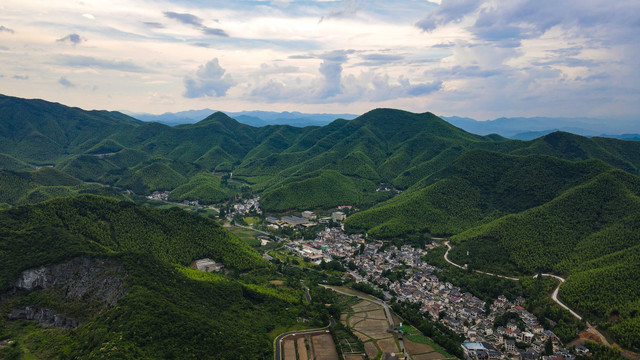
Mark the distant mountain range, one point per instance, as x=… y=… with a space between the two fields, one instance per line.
x=522 y=128
x=253 y=118
x=518 y=128
x=560 y=203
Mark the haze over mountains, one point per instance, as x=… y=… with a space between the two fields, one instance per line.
x=561 y=203
x=520 y=128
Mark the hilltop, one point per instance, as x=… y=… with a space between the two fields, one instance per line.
x=561 y=202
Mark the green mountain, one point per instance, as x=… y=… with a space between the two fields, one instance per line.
x=589 y=232
x=25 y=187
x=41 y=132
x=478 y=187
x=109 y=280
x=561 y=203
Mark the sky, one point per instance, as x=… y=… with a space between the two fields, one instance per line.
x=473 y=58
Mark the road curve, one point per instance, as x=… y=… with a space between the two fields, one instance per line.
x=554 y=295
x=277 y=346
x=386 y=310
x=446 y=257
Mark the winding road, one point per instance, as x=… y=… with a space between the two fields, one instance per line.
x=554 y=295
x=446 y=257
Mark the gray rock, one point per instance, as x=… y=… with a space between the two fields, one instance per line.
x=44 y=317
x=81 y=278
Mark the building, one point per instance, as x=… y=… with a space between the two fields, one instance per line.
x=294 y=220
x=207 y=265
x=308 y=215
x=338 y=216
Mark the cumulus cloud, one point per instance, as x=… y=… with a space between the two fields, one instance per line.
x=506 y=23
x=332 y=86
x=448 y=11
x=6 y=29
x=196 y=22
x=65 y=82
x=209 y=80
x=73 y=39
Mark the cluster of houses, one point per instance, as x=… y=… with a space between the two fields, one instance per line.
x=246 y=206
x=331 y=243
x=159 y=195
x=441 y=301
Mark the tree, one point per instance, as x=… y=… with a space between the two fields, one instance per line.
x=351 y=265
x=548 y=347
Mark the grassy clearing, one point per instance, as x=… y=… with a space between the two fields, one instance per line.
x=251 y=220
x=246 y=235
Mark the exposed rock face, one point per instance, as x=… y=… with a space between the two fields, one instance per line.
x=79 y=278
x=44 y=317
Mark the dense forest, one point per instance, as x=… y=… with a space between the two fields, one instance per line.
x=166 y=311
x=560 y=203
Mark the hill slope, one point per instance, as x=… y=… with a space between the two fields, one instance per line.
x=113 y=270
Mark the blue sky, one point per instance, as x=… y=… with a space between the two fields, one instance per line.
x=481 y=59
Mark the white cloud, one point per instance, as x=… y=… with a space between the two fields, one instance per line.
x=209 y=80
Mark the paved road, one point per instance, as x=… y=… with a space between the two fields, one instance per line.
x=277 y=343
x=554 y=296
x=386 y=310
x=446 y=257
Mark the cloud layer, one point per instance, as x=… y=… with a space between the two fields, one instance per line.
x=477 y=58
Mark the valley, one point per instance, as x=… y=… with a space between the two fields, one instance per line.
x=363 y=204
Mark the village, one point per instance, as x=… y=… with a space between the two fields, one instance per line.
x=461 y=312
x=402 y=275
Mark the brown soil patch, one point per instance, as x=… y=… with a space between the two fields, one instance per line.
x=343 y=319
x=417 y=348
x=371 y=350
x=377 y=315
x=388 y=345
x=324 y=347
x=302 y=349
x=361 y=336
x=277 y=282
x=630 y=354
x=289 y=350
x=365 y=306
x=376 y=329
x=432 y=356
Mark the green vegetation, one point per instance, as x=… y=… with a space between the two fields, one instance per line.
x=168 y=311
x=561 y=203
x=469 y=193
x=204 y=187
x=323 y=189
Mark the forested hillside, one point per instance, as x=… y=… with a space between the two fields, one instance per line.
x=560 y=203
x=165 y=312
x=478 y=187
